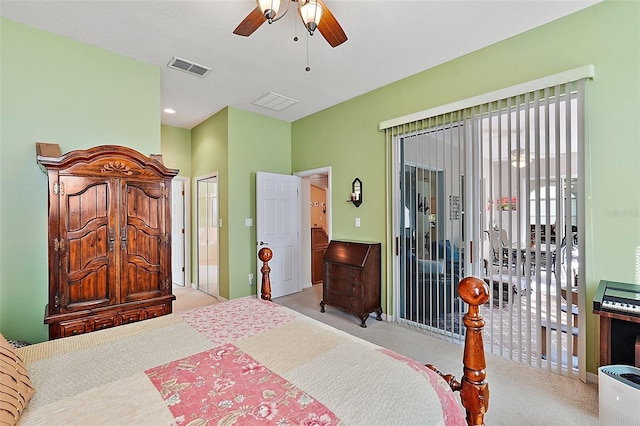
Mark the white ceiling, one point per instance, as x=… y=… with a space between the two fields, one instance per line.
x=388 y=40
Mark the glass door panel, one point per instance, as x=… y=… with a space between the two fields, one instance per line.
x=208 y=227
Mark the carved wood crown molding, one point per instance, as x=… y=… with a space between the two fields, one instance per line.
x=116 y=167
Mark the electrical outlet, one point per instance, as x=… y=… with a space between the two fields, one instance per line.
x=250 y=279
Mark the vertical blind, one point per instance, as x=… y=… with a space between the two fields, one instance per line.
x=495 y=190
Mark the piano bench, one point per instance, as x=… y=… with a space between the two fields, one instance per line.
x=563 y=329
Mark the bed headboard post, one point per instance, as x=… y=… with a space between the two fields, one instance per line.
x=474 y=390
x=265 y=254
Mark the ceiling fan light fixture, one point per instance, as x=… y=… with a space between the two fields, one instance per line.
x=520 y=161
x=311 y=12
x=270 y=9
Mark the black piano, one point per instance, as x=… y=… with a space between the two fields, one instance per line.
x=618 y=305
x=617 y=297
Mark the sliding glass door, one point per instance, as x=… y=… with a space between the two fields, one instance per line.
x=432 y=247
x=496 y=191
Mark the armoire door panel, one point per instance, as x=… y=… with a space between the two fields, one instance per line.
x=144 y=206
x=143 y=243
x=88 y=289
x=87 y=261
x=142 y=280
x=143 y=201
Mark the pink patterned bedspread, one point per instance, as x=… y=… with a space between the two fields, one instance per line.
x=225 y=385
x=242 y=362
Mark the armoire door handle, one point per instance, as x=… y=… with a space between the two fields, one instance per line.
x=123 y=238
x=112 y=238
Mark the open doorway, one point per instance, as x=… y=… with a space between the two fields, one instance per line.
x=315 y=219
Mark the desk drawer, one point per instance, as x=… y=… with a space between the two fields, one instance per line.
x=345 y=287
x=345 y=302
x=344 y=272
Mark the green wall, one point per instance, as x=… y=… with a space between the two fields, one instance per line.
x=176 y=148
x=346 y=137
x=606 y=35
x=209 y=153
x=60 y=91
x=237 y=144
x=256 y=143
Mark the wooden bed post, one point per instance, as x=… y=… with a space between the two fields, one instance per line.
x=474 y=390
x=265 y=254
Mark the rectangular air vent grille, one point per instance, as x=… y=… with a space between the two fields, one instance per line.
x=188 y=66
x=274 y=102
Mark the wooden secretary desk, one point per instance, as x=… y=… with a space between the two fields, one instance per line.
x=352 y=278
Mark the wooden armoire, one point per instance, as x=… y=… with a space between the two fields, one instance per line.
x=109 y=239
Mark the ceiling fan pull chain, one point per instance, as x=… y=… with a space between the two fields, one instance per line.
x=308 y=68
x=295 y=29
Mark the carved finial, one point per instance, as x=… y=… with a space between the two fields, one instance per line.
x=474 y=390
x=265 y=254
x=473 y=291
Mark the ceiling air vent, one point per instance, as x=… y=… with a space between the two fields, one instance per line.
x=188 y=66
x=274 y=101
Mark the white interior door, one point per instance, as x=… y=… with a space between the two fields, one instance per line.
x=178 y=232
x=278 y=227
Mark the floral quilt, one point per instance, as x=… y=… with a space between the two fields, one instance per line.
x=242 y=362
x=225 y=385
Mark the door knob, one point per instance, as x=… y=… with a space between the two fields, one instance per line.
x=262 y=243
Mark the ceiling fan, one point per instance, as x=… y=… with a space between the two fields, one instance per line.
x=314 y=14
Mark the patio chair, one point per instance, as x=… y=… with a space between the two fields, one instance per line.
x=568 y=273
x=505 y=255
x=501 y=250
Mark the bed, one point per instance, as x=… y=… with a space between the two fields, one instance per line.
x=246 y=361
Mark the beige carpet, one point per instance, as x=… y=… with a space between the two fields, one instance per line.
x=520 y=395
x=188 y=298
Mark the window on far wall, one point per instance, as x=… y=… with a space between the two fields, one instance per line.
x=547 y=200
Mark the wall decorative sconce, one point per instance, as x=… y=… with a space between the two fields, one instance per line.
x=356 y=192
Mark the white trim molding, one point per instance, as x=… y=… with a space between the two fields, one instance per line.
x=587 y=71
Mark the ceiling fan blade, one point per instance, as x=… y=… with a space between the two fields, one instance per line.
x=330 y=28
x=251 y=23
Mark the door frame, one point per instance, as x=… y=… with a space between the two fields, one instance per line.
x=186 y=208
x=305 y=218
x=196 y=283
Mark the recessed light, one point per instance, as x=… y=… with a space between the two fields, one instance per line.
x=169 y=111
